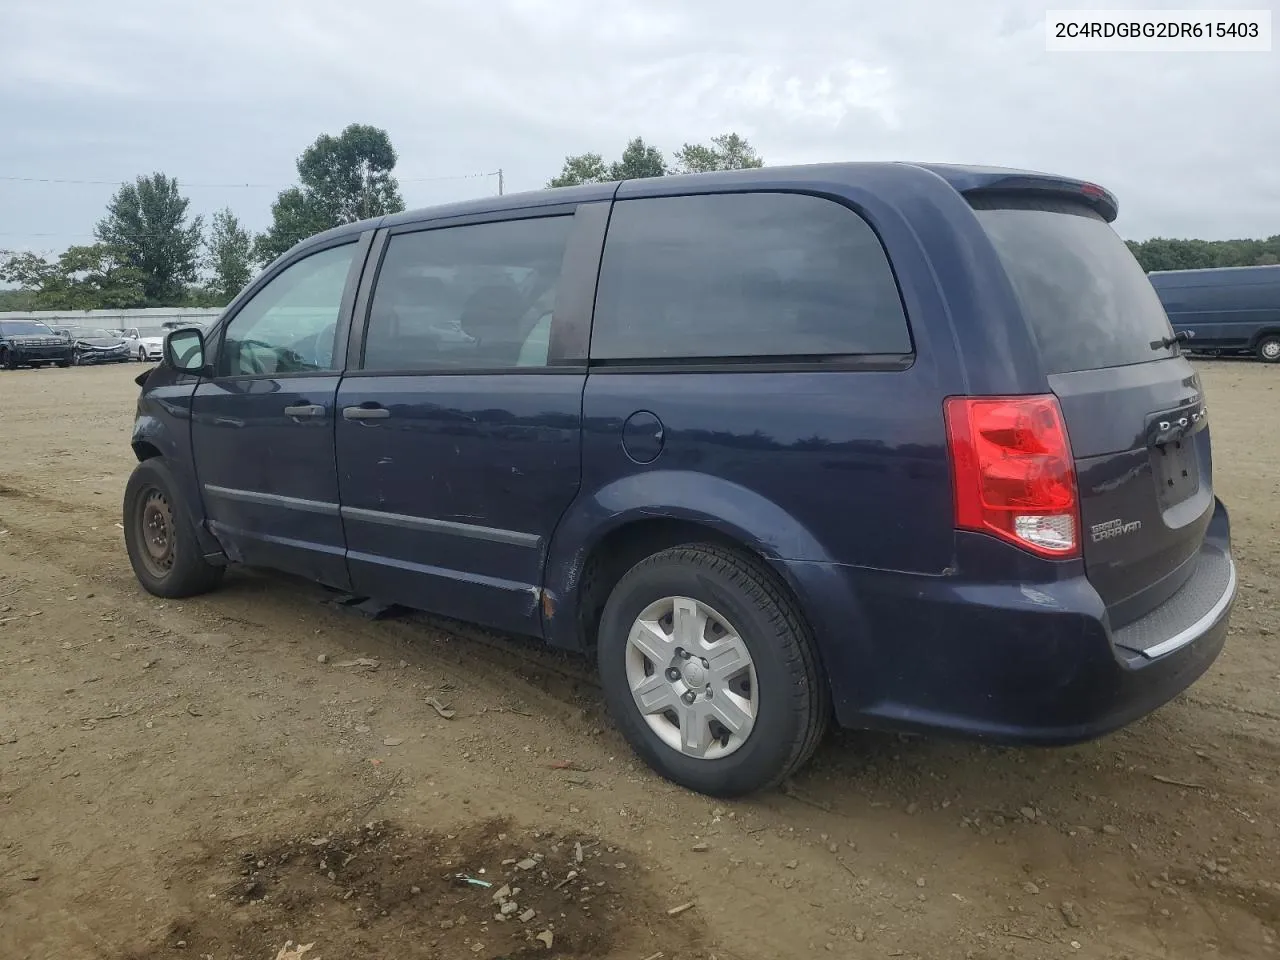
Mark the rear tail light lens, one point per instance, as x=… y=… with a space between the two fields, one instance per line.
x=1013 y=473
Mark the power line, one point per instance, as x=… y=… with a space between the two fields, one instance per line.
x=239 y=186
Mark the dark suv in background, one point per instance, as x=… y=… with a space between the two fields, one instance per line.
x=30 y=343
x=909 y=445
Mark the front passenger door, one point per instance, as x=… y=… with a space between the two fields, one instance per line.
x=262 y=427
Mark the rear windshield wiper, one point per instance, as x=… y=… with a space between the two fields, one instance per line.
x=1182 y=336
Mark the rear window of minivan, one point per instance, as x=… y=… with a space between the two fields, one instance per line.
x=1088 y=302
x=742 y=276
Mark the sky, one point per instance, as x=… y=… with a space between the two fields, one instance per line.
x=224 y=95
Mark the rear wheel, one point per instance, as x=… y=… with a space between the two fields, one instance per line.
x=1269 y=349
x=710 y=671
x=158 y=535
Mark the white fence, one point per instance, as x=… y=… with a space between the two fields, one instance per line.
x=150 y=321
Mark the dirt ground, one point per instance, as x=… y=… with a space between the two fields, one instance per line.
x=217 y=778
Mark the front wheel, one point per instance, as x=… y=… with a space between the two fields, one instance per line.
x=162 y=545
x=710 y=671
x=142 y=355
x=8 y=360
x=1269 y=349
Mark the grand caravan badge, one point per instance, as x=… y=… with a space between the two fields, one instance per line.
x=1112 y=529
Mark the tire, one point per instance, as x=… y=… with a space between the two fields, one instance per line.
x=1268 y=349
x=8 y=360
x=782 y=685
x=152 y=509
x=142 y=354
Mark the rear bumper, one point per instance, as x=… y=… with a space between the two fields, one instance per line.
x=1012 y=661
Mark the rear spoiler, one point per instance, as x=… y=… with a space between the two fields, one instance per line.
x=1022 y=185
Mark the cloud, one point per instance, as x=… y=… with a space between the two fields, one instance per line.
x=232 y=91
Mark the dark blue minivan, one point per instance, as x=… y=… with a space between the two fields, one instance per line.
x=912 y=446
x=1231 y=310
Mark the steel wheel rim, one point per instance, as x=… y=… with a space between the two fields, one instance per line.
x=1271 y=349
x=155 y=529
x=692 y=678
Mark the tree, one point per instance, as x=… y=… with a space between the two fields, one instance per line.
x=1160 y=253
x=95 y=277
x=229 y=255
x=294 y=217
x=342 y=179
x=727 y=152
x=639 y=160
x=17 y=300
x=146 y=228
x=587 y=168
x=29 y=271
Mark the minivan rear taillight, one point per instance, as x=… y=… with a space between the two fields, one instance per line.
x=1013 y=473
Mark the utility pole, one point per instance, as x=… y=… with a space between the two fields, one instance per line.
x=499 y=181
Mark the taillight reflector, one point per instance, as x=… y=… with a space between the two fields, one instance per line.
x=1013 y=472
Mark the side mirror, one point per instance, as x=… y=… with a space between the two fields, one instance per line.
x=184 y=350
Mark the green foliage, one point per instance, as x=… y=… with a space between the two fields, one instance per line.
x=586 y=168
x=229 y=256
x=342 y=179
x=726 y=152
x=96 y=277
x=29 y=271
x=1164 y=254
x=146 y=229
x=19 y=300
x=204 y=296
x=639 y=160
x=293 y=217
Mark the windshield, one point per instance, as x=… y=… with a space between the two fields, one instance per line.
x=102 y=335
x=1086 y=298
x=24 y=328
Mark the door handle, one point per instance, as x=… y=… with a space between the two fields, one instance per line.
x=365 y=413
x=305 y=410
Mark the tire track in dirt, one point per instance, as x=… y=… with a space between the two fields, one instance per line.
x=283 y=744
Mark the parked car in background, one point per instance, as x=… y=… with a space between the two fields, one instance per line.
x=1224 y=310
x=912 y=446
x=29 y=343
x=99 y=346
x=140 y=347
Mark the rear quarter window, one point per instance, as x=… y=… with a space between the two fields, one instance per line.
x=726 y=276
x=1087 y=301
